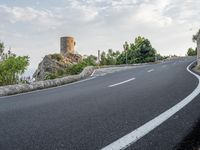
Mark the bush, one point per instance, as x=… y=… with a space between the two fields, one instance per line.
x=109 y=58
x=76 y=69
x=51 y=76
x=191 y=52
x=57 y=57
x=71 y=70
x=91 y=60
x=11 y=68
x=141 y=51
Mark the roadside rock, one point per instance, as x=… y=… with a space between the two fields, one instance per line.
x=53 y=63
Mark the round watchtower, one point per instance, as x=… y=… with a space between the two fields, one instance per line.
x=67 y=45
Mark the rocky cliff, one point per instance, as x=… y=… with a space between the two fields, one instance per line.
x=53 y=63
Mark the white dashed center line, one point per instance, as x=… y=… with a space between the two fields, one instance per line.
x=150 y=70
x=141 y=131
x=113 y=85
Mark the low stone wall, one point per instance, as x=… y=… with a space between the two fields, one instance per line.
x=22 y=88
x=125 y=65
x=195 y=68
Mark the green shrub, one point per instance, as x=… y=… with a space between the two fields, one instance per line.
x=90 y=60
x=76 y=69
x=70 y=70
x=51 y=76
x=11 y=68
x=60 y=72
x=140 y=51
x=149 y=59
x=191 y=52
x=57 y=57
x=109 y=58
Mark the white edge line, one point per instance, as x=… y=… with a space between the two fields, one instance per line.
x=122 y=82
x=138 y=133
x=35 y=91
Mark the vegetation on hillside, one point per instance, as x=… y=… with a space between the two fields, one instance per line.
x=73 y=69
x=57 y=57
x=11 y=66
x=109 y=58
x=191 y=52
x=196 y=38
x=140 y=51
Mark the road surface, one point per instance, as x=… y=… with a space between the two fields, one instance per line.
x=97 y=112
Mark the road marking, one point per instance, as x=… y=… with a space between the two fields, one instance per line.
x=138 y=133
x=150 y=70
x=121 y=82
x=93 y=73
x=35 y=91
x=164 y=66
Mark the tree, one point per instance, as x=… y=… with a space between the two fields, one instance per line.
x=121 y=59
x=109 y=58
x=140 y=51
x=1 y=48
x=196 y=38
x=91 y=60
x=160 y=57
x=126 y=48
x=191 y=52
x=103 y=58
x=144 y=51
x=11 y=66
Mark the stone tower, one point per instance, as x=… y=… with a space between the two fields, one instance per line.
x=67 y=45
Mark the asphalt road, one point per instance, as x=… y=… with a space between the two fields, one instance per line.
x=92 y=114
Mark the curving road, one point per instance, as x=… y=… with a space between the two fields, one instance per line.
x=94 y=113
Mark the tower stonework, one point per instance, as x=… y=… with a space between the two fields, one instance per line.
x=67 y=45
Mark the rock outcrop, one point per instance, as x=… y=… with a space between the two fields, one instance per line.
x=53 y=63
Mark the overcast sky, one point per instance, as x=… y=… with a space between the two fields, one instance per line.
x=34 y=27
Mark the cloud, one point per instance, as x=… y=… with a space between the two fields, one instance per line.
x=184 y=11
x=82 y=10
x=112 y=11
x=98 y=24
x=154 y=13
x=29 y=15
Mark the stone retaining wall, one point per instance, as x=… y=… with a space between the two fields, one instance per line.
x=22 y=88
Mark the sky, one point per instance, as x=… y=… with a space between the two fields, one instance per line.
x=34 y=27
